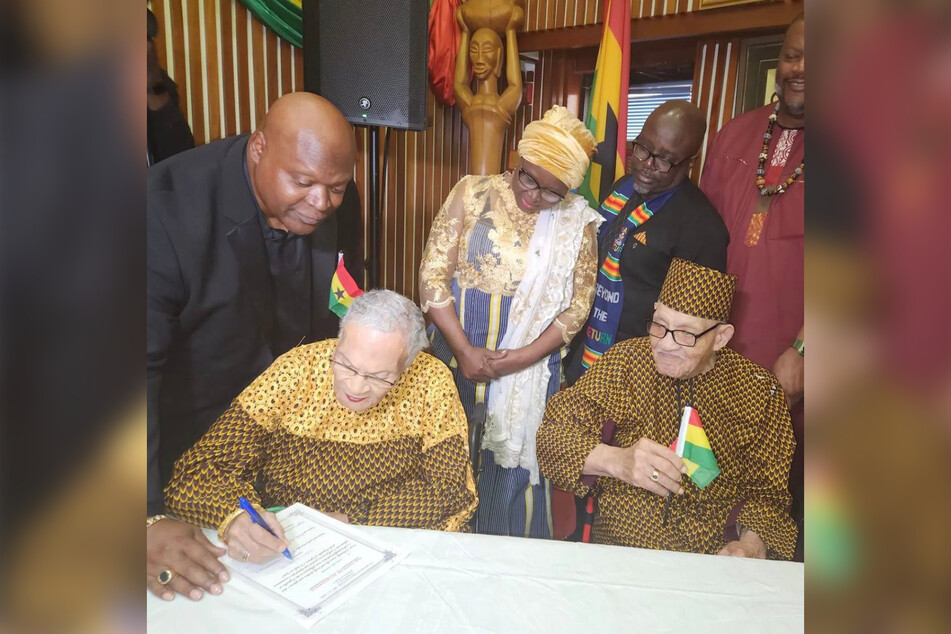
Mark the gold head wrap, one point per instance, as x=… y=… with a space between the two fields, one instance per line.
x=698 y=291
x=560 y=144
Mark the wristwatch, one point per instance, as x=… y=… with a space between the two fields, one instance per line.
x=153 y=519
x=799 y=346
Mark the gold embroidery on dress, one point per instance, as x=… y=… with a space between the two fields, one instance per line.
x=489 y=200
x=439 y=257
x=475 y=200
x=573 y=318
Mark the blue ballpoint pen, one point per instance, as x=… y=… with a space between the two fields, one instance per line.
x=257 y=519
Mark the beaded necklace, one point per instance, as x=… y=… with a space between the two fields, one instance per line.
x=761 y=168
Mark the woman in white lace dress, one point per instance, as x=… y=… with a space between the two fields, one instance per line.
x=507 y=279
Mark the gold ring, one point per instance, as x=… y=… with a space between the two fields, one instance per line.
x=245 y=556
x=165 y=576
x=655 y=475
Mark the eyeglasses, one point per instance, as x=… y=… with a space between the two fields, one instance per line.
x=660 y=163
x=684 y=338
x=348 y=372
x=528 y=182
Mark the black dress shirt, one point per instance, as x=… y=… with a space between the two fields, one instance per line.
x=289 y=265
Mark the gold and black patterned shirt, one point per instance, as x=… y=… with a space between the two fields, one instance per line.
x=744 y=413
x=286 y=439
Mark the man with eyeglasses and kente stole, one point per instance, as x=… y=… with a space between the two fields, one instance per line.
x=684 y=444
x=652 y=215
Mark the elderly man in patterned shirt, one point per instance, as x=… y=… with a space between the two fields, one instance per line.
x=610 y=435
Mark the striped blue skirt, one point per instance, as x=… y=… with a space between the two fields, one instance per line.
x=508 y=503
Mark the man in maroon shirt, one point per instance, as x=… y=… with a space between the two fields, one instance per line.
x=754 y=176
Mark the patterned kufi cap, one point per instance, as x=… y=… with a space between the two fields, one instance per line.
x=698 y=291
x=560 y=144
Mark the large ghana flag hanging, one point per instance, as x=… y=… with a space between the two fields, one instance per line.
x=607 y=110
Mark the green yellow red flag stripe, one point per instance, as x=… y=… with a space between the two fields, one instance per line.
x=607 y=110
x=693 y=446
x=284 y=17
x=343 y=289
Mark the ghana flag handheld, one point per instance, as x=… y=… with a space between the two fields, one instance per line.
x=692 y=445
x=607 y=110
x=343 y=289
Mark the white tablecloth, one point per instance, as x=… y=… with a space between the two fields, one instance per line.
x=455 y=583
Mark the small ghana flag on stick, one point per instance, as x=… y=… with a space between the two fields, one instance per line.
x=692 y=445
x=343 y=289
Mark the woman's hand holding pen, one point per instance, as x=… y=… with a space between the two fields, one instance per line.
x=247 y=541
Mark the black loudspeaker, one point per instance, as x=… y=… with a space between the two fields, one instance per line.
x=368 y=57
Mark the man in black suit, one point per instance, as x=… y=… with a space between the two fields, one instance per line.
x=243 y=241
x=652 y=215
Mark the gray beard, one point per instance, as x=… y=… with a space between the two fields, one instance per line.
x=797 y=111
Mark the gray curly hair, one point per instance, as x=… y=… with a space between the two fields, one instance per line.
x=387 y=311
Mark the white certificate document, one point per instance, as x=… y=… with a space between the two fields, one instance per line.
x=331 y=562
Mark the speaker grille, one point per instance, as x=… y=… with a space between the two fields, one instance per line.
x=373 y=56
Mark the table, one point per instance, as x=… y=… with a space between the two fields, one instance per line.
x=457 y=583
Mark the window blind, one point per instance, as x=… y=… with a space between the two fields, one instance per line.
x=642 y=99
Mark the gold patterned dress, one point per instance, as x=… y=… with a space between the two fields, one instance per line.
x=286 y=439
x=475 y=257
x=744 y=413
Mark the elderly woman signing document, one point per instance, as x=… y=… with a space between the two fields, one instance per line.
x=365 y=428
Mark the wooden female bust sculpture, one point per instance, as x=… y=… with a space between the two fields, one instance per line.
x=486 y=113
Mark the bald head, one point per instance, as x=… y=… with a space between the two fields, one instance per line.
x=670 y=140
x=685 y=120
x=312 y=124
x=300 y=161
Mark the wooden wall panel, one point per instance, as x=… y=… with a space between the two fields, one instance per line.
x=422 y=168
x=211 y=51
x=714 y=88
x=544 y=15
x=556 y=82
x=196 y=64
x=230 y=68
x=243 y=78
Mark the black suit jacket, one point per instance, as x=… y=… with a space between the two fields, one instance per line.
x=688 y=226
x=210 y=312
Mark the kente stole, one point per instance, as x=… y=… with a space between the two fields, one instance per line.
x=605 y=317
